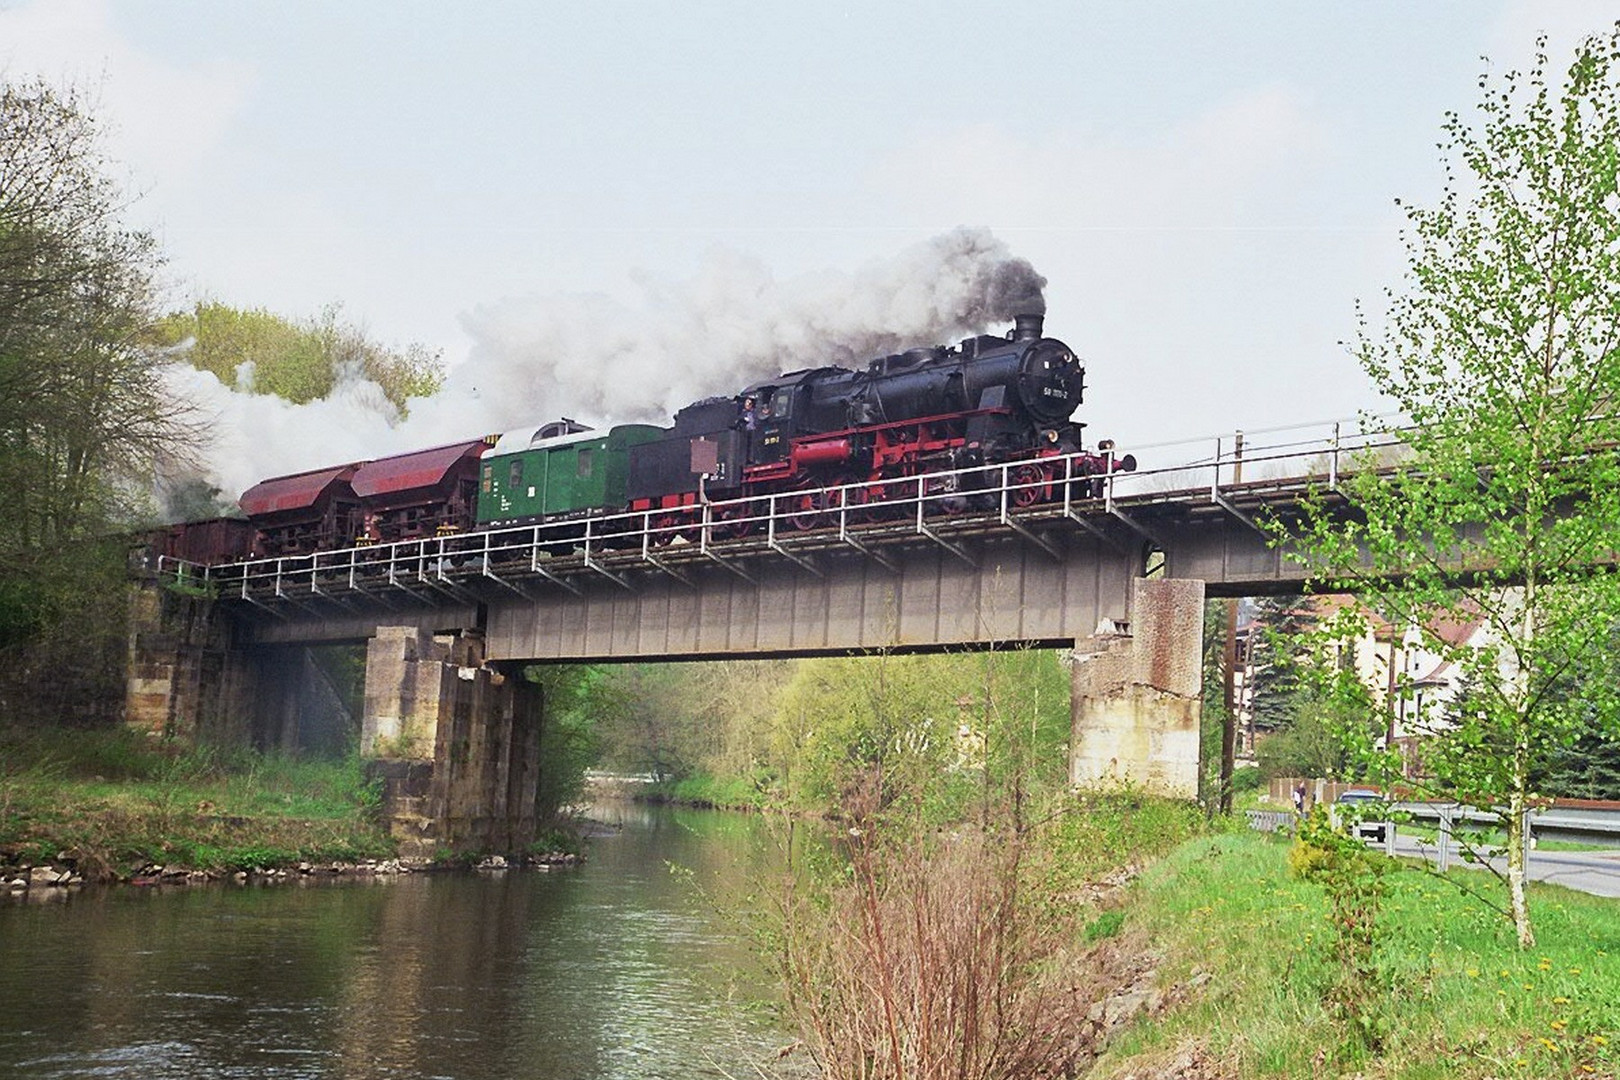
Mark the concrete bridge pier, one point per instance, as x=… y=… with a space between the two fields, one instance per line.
x=1136 y=697
x=457 y=743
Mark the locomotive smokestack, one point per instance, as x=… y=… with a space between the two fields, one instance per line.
x=1027 y=327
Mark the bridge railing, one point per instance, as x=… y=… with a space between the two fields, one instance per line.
x=941 y=507
x=1321 y=452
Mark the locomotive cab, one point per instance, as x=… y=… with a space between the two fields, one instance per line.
x=773 y=423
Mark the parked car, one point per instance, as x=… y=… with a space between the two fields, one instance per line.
x=1358 y=802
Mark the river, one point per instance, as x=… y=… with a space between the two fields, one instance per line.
x=622 y=968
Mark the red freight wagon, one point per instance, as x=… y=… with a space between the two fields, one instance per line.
x=305 y=512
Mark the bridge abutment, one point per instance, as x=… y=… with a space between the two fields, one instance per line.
x=1136 y=699
x=456 y=743
x=185 y=678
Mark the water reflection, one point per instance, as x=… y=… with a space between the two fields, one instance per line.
x=621 y=969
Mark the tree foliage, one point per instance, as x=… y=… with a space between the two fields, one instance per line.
x=940 y=729
x=646 y=718
x=568 y=743
x=1277 y=696
x=1312 y=743
x=297 y=359
x=1503 y=352
x=83 y=419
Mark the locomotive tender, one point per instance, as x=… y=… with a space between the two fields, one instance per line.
x=899 y=429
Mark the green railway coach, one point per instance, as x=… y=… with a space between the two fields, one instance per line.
x=557 y=471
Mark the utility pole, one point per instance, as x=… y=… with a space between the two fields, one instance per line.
x=1229 y=721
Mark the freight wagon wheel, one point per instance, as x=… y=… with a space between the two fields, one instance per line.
x=666 y=529
x=1029 y=485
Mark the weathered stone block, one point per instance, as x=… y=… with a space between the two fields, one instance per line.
x=1136 y=702
x=465 y=740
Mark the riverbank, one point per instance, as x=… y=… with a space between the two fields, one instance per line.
x=705 y=792
x=95 y=807
x=103 y=806
x=1445 y=992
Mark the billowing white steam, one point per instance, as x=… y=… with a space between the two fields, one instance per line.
x=601 y=361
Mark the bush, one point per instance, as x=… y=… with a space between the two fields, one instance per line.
x=925 y=961
x=1248 y=778
x=1353 y=879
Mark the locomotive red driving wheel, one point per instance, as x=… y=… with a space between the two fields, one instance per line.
x=944 y=497
x=877 y=501
x=808 y=508
x=736 y=521
x=1029 y=484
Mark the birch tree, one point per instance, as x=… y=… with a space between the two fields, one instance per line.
x=1502 y=351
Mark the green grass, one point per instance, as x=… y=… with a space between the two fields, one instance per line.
x=112 y=801
x=1093 y=835
x=701 y=789
x=1453 y=997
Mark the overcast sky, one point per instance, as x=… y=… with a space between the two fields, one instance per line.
x=1208 y=187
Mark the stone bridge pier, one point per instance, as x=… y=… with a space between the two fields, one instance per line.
x=456 y=743
x=1136 y=697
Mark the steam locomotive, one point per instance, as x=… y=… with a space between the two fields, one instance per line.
x=902 y=428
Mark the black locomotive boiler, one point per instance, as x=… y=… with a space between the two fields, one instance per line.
x=925 y=413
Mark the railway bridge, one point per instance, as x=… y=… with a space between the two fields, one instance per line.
x=1115 y=569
